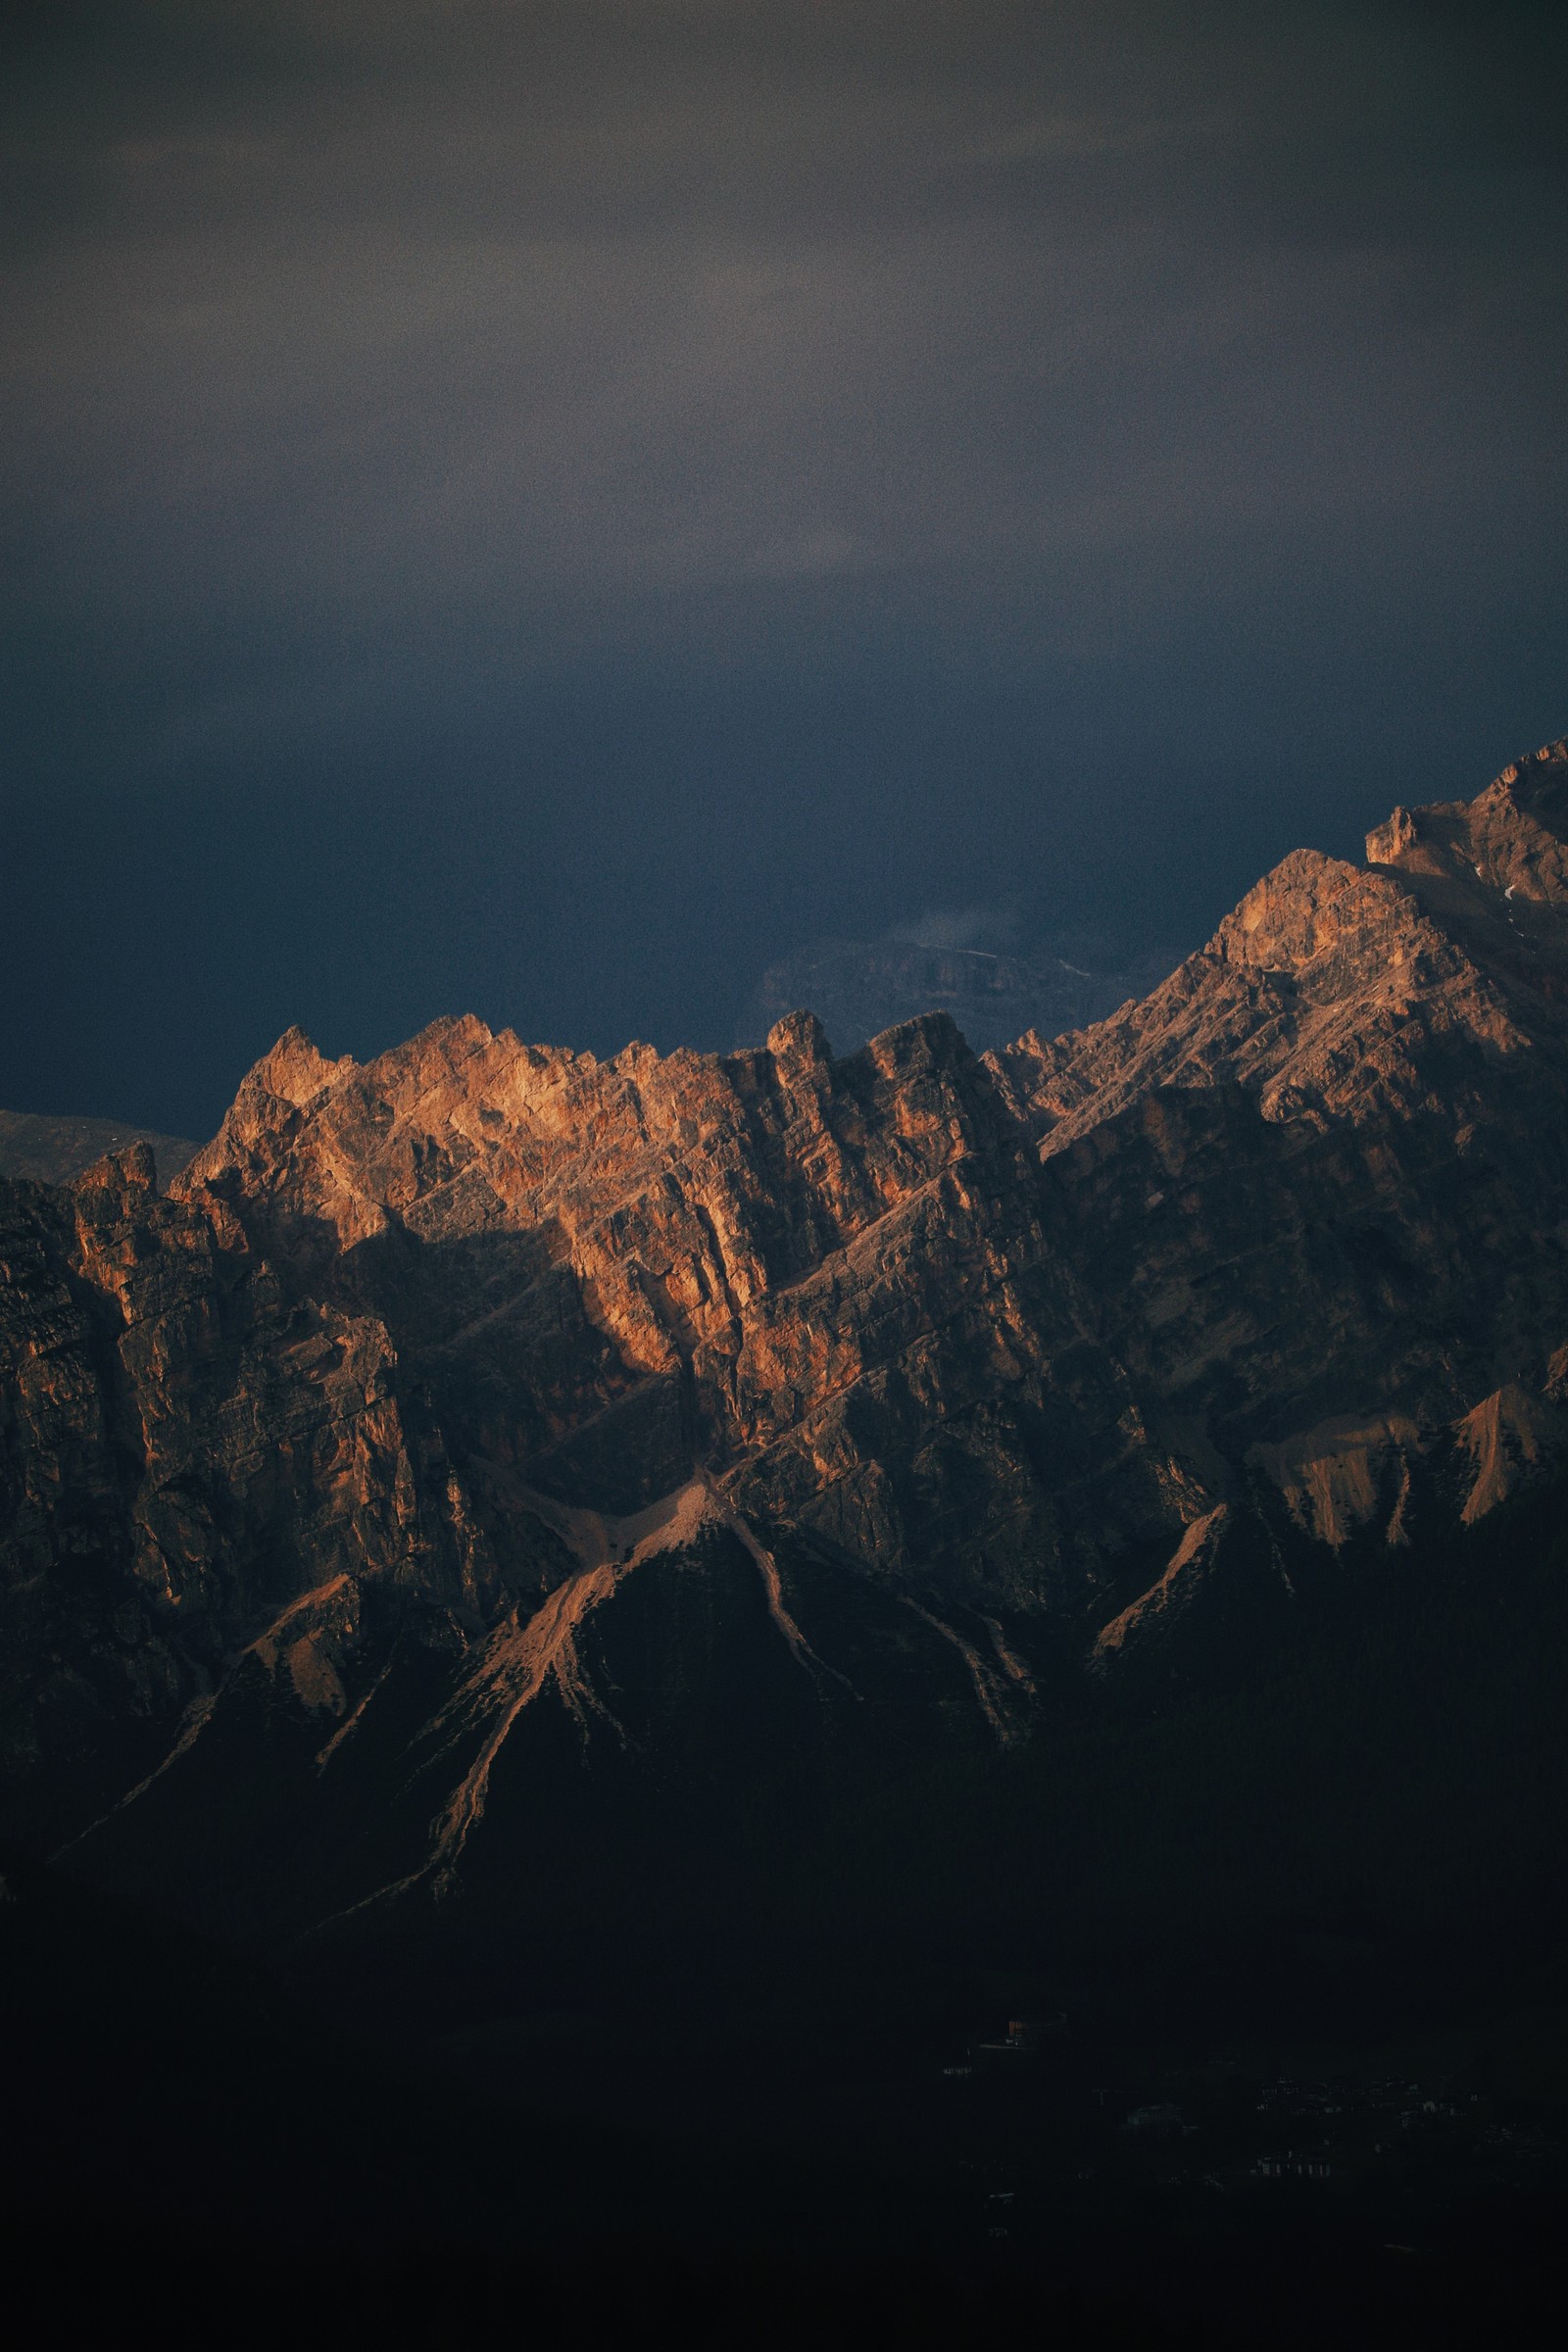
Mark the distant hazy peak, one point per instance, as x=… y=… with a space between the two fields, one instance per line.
x=858 y=988
x=53 y=1151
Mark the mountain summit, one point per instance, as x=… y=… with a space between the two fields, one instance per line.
x=485 y=1418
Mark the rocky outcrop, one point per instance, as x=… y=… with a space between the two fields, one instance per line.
x=485 y=1406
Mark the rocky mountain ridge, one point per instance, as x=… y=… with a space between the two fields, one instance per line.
x=487 y=1408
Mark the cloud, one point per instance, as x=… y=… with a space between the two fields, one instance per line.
x=993 y=929
x=364 y=306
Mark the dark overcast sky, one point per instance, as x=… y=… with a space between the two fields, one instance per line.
x=541 y=509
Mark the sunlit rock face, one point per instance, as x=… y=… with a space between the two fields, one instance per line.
x=485 y=1413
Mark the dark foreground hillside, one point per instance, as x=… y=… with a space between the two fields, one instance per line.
x=1239 y=2021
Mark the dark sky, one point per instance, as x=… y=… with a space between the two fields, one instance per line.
x=541 y=509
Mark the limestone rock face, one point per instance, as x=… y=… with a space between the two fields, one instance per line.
x=487 y=1397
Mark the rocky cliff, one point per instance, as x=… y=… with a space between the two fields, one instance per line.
x=485 y=1412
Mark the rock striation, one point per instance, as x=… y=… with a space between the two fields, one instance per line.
x=484 y=1408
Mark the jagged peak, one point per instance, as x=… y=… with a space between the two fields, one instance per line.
x=928 y=1039
x=119 y=1174
x=799 y=1037
x=1512 y=837
x=1298 y=910
x=296 y=1071
x=453 y=1029
x=1526 y=769
x=636 y=1058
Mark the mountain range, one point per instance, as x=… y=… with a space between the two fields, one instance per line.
x=475 y=1451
